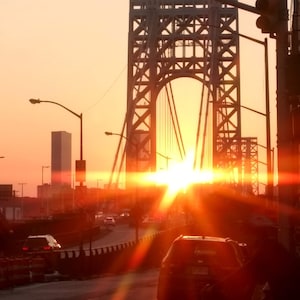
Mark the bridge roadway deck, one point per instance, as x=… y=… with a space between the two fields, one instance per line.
x=118 y=235
x=129 y=286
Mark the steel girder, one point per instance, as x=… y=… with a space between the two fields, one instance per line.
x=169 y=39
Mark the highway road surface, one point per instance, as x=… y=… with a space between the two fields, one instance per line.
x=129 y=286
x=117 y=235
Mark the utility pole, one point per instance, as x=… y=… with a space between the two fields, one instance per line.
x=284 y=133
x=22 y=197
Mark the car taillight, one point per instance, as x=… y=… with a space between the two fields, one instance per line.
x=46 y=248
x=25 y=248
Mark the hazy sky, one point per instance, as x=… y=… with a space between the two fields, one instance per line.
x=75 y=52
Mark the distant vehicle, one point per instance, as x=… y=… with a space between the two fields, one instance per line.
x=99 y=216
x=124 y=217
x=109 y=221
x=44 y=243
x=154 y=222
x=195 y=262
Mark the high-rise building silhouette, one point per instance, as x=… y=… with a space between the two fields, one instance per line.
x=61 y=158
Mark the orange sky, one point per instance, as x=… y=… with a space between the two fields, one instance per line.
x=75 y=53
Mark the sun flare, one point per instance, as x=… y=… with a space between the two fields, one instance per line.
x=180 y=175
x=177 y=179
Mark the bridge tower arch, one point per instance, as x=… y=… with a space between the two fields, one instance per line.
x=177 y=38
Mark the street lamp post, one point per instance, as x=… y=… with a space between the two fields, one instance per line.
x=267 y=92
x=269 y=150
x=81 y=164
x=22 y=197
x=42 y=192
x=137 y=209
x=22 y=189
x=264 y=43
x=98 y=196
x=44 y=167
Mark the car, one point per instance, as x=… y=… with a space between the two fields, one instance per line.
x=153 y=222
x=124 y=218
x=40 y=243
x=99 y=216
x=194 y=262
x=109 y=221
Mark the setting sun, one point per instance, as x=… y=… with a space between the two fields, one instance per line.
x=178 y=178
x=180 y=175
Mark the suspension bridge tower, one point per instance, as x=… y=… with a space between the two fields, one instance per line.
x=169 y=39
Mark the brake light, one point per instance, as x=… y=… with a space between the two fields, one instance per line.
x=25 y=248
x=46 y=248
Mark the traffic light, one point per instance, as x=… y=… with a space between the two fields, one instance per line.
x=80 y=170
x=269 y=16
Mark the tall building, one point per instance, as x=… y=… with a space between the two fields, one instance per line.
x=61 y=170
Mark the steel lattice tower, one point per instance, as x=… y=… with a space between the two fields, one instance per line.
x=169 y=39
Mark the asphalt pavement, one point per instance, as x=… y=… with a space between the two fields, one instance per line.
x=129 y=286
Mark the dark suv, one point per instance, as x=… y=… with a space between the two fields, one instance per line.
x=195 y=262
x=44 y=246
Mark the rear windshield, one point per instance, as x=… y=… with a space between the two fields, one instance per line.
x=36 y=242
x=219 y=253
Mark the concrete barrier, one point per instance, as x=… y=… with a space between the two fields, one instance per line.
x=3 y=273
x=20 y=271
x=37 y=269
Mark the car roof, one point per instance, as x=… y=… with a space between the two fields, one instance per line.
x=204 y=238
x=40 y=236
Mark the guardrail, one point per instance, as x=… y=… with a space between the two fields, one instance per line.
x=146 y=253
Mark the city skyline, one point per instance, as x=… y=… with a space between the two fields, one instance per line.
x=70 y=53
